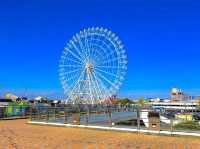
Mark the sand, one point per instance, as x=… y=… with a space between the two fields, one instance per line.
x=20 y=135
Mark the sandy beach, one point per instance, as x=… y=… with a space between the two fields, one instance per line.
x=20 y=135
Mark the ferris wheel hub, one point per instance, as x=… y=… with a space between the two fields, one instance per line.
x=89 y=68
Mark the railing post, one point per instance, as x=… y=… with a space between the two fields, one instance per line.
x=171 y=125
x=138 y=118
x=31 y=113
x=87 y=116
x=54 y=113
x=65 y=116
x=110 y=117
x=38 y=113
x=47 y=118
x=23 y=111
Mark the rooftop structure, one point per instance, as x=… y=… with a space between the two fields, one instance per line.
x=178 y=95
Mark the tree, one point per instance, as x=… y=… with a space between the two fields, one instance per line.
x=124 y=101
x=140 y=101
x=198 y=102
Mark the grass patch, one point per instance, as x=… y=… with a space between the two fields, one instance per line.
x=191 y=125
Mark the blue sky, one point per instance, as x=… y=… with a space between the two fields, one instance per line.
x=161 y=38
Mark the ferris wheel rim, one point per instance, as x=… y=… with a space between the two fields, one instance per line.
x=78 y=53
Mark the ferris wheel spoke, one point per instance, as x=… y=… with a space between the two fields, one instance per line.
x=105 y=48
x=86 y=45
x=116 y=59
x=93 y=87
x=108 y=81
x=90 y=46
x=109 y=73
x=110 y=55
x=75 y=47
x=93 y=46
x=72 y=53
x=90 y=88
x=99 y=92
x=69 y=79
x=76 y=83
x=82 y=49
x=69 y=72
x=102 y=84
x=72 y=60
x=114 y=67
x=63 y=65
x=108 y=46
x=96 y=56
x=98 y=86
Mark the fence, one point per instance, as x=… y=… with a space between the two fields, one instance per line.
x=132 y=117
x=84 y=114
x=128 y=116
x=14 y=111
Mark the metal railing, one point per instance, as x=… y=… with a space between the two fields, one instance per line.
x=132 y=117
x=66 y=113
x=7 y=112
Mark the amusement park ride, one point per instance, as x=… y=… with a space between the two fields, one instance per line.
x=92 y=66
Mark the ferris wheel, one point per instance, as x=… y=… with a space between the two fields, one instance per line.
x=92 y=66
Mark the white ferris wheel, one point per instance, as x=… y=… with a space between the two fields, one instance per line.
x=92 y=66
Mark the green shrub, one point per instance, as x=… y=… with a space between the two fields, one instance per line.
x=188 y=125
x=125 y=101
